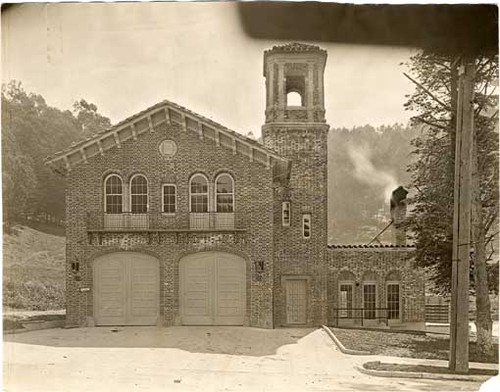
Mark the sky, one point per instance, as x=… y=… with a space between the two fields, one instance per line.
x=127 y=57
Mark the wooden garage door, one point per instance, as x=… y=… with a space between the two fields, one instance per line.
x=212 y=289
x=126 y=289
x=296 y=301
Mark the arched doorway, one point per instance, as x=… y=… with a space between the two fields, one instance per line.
x=212 y=289
x=126 y=289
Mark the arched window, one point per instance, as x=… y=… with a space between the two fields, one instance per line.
x=370 y=294
x=293 y=98
x=113 y=195
x=224 y=193
x=198 y=188
x=139 y=194
x=393 y=289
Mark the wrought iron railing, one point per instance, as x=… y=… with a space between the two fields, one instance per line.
x=437 y=313
x=128 y=221
x=366 y=314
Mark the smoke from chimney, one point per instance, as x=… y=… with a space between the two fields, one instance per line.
x=366 y=172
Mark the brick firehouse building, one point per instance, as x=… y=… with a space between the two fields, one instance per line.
x=173 y=219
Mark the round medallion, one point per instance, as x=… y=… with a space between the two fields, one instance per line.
x=168 y=148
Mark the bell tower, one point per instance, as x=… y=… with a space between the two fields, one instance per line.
x=296 y=128
x=294 y=84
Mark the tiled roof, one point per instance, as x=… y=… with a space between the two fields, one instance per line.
x=391 y=246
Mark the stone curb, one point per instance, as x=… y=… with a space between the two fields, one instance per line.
x=341 y=346
x=431 y=376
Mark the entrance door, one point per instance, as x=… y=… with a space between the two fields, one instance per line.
x=296 y=301
x=212 y=289
x=126 y=289
x=345 y=300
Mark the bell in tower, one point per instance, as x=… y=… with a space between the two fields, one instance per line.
x=294 y=83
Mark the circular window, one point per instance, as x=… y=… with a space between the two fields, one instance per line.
x=168 y=148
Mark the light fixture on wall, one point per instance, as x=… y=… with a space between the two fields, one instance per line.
x=259 y=266
x=75 y=268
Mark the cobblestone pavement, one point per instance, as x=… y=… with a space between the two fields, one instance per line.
x=191 y=359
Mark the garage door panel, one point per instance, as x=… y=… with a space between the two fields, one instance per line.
x=126 y=289
x=111 y=293
x=213 y=288
x=230 y=291
x=144 y=291
x=196 y=299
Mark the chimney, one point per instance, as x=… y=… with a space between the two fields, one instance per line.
x=398 y=214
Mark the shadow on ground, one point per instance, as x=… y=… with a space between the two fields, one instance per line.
x=215 y=340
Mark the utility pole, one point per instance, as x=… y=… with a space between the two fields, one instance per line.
x=459 y=323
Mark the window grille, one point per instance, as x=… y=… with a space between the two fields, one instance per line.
x=199 y=193
x=224 y=193
x=113 y=195
x=139 y=195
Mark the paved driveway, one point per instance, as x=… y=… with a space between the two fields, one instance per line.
x=190 y=359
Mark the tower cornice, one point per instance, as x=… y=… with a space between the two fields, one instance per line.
x=296 y=125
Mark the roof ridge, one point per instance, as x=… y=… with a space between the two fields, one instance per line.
x=128 y=121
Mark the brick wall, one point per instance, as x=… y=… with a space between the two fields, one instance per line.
x=379 y=262
x=307 y=192
x=253 y=198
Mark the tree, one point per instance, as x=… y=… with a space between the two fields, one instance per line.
x=434 y=102
x=31 y=131
x=90 y=120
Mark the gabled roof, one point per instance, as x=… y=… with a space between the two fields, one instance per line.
x=147 y=120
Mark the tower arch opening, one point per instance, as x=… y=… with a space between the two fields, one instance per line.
x=294 y=98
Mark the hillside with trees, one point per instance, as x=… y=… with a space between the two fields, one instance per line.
x=32 y=130
x=365 y=164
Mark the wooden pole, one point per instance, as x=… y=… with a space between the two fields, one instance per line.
x=459 y=325
x=456 y=197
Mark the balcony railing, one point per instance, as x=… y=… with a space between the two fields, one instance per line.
x=127 y=221
x=362 y=315
x=211 y=220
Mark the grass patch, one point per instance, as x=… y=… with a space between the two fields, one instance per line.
x=406 y=345
x=47 y=228
x=397 y=367
x=33 y=270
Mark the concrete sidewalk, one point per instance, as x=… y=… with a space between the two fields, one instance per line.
x=191 y=359
x=362 y=357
